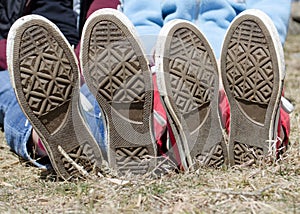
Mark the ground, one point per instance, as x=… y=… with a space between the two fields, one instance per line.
x=267 y=188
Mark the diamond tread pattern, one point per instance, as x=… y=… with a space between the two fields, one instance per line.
x=255 y=85
x=251 y=80
x=119 y=77
x=190 y=86
x=46 y=82
x=47 y=90
x=117 y=82
x=193 y=81
x=248 y=51
x=244 y=153
x=213 y=158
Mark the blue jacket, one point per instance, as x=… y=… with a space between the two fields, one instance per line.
x=211 y=16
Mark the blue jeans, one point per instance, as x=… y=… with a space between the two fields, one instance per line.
x=17 y=128
x=94 y=119
x=213 y=17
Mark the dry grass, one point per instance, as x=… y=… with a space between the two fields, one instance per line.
x=262 y=189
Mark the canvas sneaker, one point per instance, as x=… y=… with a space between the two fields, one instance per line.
x=188 y=82
x=118 y=75
x=252 y=70
x=45 y=76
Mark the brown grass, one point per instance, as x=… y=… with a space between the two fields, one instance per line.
x=262 y=189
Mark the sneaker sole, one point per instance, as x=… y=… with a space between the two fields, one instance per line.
x=44 y=74
x=188 y=82
x=118 y=75
x=252 y=73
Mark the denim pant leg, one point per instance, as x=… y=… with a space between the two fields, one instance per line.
x=147 y=18
x=17 y=128
x=93 y=117
x=214 y=19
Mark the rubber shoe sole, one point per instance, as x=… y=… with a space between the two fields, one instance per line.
x=252 y=70
x=117 y=73
x=45 y=77
x=188 y=82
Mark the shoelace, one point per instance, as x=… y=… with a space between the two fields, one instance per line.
x=287 y=106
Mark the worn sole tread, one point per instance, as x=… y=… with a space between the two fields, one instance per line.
x=189 y=85
x=252 y=80
x=118 y=74
x=45 y=79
